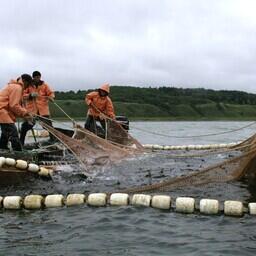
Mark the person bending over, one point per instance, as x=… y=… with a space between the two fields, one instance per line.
x=10 y=108
x=98 y=102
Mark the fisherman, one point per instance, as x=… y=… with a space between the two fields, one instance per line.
x=10 y=108
x=99 y=104
x=36 y=98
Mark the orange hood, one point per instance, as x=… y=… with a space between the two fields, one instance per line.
x=105 y=87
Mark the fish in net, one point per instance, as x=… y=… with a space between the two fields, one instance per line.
x=236 y=168
x=91 y=150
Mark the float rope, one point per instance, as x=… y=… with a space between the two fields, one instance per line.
x=185 y=205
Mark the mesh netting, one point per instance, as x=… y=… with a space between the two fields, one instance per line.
x=91 y=150
x=117 y=134
x=235 y=168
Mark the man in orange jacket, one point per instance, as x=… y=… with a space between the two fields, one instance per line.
x=98 y=102
x=10 y=108
x=36 y=98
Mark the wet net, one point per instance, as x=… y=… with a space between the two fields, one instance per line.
x=91 y=150
x=235 y=168
x=116 y=134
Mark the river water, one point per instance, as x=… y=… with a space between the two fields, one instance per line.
x=131 y=230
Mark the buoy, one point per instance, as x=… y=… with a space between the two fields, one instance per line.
x=12 y=202
x=161 y=202
x=158 y=147
x=21 y=164
x=75 y=199
x=33 y=202
x=147 y=146
x=185 y=204
x=233 y=208
x=141 y=200
x=209 y=206
x=53 y=201
x=97 y=199
x=252 y=208
x=33 y=167
x=45 y=172
x=2 y=161
x=119 y=199
x=10 y=161
x=167 y=148
x=1 y=201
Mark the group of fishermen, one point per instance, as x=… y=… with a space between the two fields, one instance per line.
x=28 y=97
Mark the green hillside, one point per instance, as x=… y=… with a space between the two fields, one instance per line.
x=166 y=103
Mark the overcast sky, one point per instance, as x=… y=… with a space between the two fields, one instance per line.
x=80 y=44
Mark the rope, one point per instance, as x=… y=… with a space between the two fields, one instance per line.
x=210 y=152
x=193 y=136
x=73 y=121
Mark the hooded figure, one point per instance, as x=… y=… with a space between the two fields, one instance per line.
x=10 y=108
x=98 y=102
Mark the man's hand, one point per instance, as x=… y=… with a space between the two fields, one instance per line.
x=33 y=95
x=29 y=117
x=101 y=116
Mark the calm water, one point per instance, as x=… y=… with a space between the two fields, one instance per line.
x=128 y=230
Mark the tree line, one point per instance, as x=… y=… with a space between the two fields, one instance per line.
x=168 y=102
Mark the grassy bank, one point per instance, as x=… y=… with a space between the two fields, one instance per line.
x=141 y=111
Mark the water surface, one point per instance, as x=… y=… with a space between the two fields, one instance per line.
x=129 y=230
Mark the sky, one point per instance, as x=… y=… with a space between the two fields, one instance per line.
x=81 y=44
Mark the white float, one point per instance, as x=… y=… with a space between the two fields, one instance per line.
x=161 y=202
x=10 y=161
x=147 y=146
x=158 y=147
x=54 y=201
x=185 y=204
x=119 y=199
x=209 y=206
x=252 y=208
x=1 y=200
x=2 y=161
x=97 y=199
x=45 y=172
x=233 y=208
x=33 y=202
x=12 y=202
x=141 y=200
x=33 y=167
x=75 y=199
x=21 y=164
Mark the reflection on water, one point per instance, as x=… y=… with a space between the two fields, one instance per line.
x=134 y=231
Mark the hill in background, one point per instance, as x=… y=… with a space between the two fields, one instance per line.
x=166 y=103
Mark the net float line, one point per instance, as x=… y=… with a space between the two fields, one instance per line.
x=11 y=163
x=185 y=205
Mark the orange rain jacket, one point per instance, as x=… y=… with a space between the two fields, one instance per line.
x=10 y=102
x=38 y=105
x=104 y=104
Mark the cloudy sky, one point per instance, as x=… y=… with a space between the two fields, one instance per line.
x=80 y=44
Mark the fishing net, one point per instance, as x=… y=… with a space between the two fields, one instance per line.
x=118 y=135
x=235 y=168
x=91 y=150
